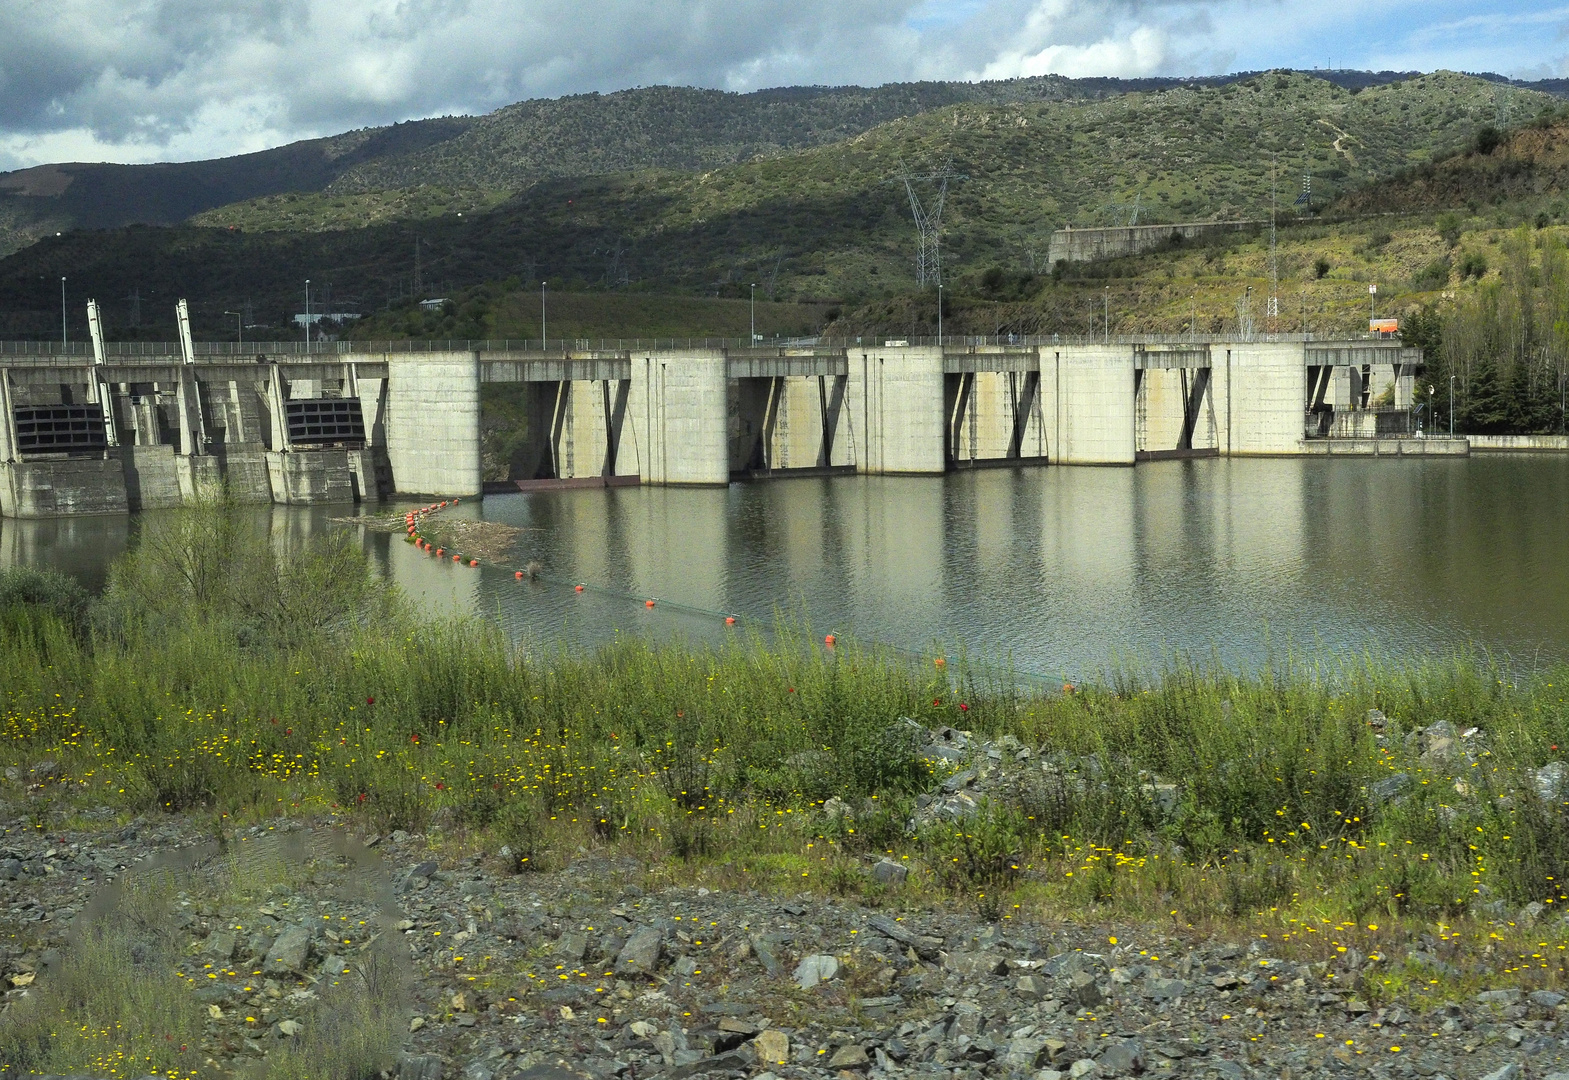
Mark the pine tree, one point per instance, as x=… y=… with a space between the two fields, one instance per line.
x=1485 y=410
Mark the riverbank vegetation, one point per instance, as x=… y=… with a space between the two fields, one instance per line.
x=221 y=676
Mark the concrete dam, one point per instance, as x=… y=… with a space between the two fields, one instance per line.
x=141 y=426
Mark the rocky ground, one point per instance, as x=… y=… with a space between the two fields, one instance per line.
x=583 y=973
x=602 y=969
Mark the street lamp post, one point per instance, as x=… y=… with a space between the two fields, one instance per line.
x=1451 y=406
x=1105 y=315
x=307 y=314
x=1372 y=295
x=939 y=314
x=63 y=337
x=542 y=285
x=239 y=327
x=753 y=340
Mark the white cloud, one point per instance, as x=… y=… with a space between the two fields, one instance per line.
x=1141 y=52
x=139 y=80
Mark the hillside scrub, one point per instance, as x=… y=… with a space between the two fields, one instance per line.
x=1187 y=782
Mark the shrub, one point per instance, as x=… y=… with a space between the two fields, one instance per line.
x=1449 y=225
x=46 y=592
x=1435 y=275
x=985 y=851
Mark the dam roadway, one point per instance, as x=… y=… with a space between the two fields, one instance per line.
x=143 y=425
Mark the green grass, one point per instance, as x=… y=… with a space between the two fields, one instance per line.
x=720 y=760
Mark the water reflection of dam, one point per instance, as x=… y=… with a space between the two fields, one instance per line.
x=1061 y=569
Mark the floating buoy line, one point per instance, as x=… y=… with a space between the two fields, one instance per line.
x=414 y=519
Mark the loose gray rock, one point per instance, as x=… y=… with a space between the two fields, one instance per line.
x=975 y=965
x=1123 y=1057
x=640 y=955
x=889 y=872
x=571 y=947
x=818 y=968
x=419 y=1067
x=220 y=946
x=1550 y=781
x=1086 y=991
x=1025 y=1053
x=289 y=951
x=1498 y=997
x=1164 y=989
x=851 y=1056
x=1508 y=1072
x=1547 y=999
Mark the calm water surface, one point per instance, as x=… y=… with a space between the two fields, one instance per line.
x=1065 y=570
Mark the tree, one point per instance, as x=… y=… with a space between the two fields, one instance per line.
x=1485 y=408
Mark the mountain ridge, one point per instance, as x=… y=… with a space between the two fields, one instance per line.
x=685 y=129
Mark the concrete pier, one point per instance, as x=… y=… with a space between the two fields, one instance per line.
x=146 y=429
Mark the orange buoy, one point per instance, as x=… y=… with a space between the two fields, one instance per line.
x=455 y=502
x=648 y=603
x=443 y=502
x=473 y=562
x=829 y=641
x=729 y=620
x=457 y=558
x=579 y=588
x=518 y=574
x=440 y=552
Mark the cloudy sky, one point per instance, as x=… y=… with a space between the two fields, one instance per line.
x=145 y=80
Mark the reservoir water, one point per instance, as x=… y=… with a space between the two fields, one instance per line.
x=1063 y=571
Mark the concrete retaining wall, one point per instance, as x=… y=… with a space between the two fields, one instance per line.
x=432 y=423
x=70 y=487
x=1558 y=444
x=152 y=480
x=1389 y=447
x=306 y=477
x=1084 y=245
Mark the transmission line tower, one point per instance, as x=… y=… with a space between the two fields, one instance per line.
x=1131 y=209
x=928 y=218
x=1272 y=309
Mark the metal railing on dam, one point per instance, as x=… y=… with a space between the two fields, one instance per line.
x=230 y=349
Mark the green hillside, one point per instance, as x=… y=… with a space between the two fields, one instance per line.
x=819 y=224
x=511 y=149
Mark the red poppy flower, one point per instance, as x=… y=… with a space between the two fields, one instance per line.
x=370 y=701
x=963 y=707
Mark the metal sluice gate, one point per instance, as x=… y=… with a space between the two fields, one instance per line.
x=59 y=429
x=320 y=421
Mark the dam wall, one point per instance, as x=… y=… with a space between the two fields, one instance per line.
x=140 y=432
